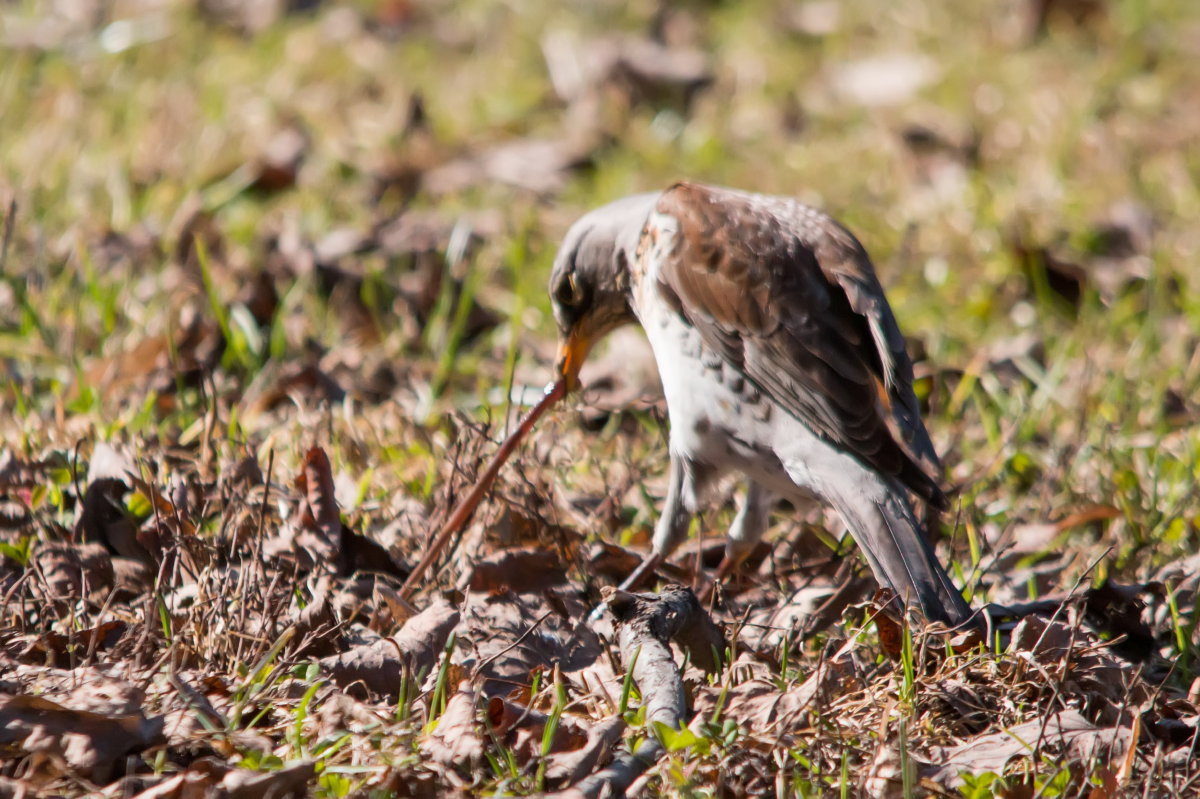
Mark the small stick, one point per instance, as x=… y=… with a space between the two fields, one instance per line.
x=462 y=513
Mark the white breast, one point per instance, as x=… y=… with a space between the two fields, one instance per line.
x=713 y=420
x=702 y=409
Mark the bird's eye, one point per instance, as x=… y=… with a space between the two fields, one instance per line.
x=566 y=293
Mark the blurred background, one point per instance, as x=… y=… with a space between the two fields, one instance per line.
x=218 y=213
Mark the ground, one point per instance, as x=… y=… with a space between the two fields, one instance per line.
x=272 y=289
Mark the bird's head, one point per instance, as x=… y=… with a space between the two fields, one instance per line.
x=590 y=284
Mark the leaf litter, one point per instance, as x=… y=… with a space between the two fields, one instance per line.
x=507 y=666
x=292 y=628
x=220 y=607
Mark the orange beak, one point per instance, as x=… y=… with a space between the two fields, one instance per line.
x=571 y=354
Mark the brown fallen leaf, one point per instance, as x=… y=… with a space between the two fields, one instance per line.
x=317 y=628
x=104 y=517
x=18 y=478
x=278 y=384
x=105 y=520
x=967 y=705
x=509 y=635
x=522 y=729
x=455 y=741
x=340 y=713
x=760 y=704
x=371 y=599
x=611 y=560
x=379 y=666
x=191 y=783
x=131 y=578
x=96 y=689
x=14 y=516
x=1111 y=610
x=65 y=651
x=1066 y=732
x=542 y=166
x=813 y=607
x=209 y=777
x=291 y=781
x=73 y=572
x=276 y=169
x=644 y=70
x=90 y=743
x=319 y=510
x=519 y=570
x=315 y=539
x=17 y=472
x=568 y=767
x=1047 y=641
x=161 y=364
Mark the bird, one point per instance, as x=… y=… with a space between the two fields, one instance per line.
x=780 y=360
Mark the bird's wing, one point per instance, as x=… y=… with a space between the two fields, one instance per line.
x=789 y=298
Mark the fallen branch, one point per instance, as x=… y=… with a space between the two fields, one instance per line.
x=646 y=623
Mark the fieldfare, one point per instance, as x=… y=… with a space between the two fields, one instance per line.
x=780 y=359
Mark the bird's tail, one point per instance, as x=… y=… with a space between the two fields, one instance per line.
x=901 y=557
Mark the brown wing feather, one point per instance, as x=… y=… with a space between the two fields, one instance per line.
x=789 y=298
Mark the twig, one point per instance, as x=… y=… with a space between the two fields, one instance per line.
x=458 y=519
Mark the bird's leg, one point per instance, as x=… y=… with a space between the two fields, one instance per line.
x=687 y=481
x=747 y=530
x=672 y=526
x=669 y=531
x=748 y=527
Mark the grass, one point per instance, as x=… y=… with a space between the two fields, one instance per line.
x=138 y=236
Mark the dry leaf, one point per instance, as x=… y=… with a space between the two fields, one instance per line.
x=548 y=626
x=1067 y=733
x=280 y=161
x=379 y=666
x=541 y=166
x=646 y=71
x=88 y=742
x=518 y=570
x=455 y=741
x=64 y=651
x=73 y=572
x=522 y=729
